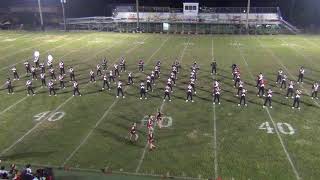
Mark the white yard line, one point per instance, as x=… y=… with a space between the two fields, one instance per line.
x=161 y=108
x=273 y=122
x=214 y=129
x=310 y=59
x=38 y=124
x=24 y=98
x=284 y=67
x=24 y=49
x=105 y=114
x=56 y=47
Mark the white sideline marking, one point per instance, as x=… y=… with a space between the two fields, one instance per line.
x=38 y=124
x=161 y=108
x=106 y=112
x=274 y=124
x=283 y=66
x=22 y=50
x=214 y=130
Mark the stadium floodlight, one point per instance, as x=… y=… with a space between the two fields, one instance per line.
x=137 y=6
x=64 y=14
x=40 y=12
x=247 y=18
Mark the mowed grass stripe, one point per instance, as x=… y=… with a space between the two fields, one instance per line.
x=275 y=57
x=161 y=110
x=273 y=122
x=37 y=90
x=60 y=106
x=75 y=103
x=41 y=53
x=118 y=121
x=244 y=150
x=105 y=113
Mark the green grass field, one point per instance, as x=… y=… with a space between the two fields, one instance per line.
x=204 y=140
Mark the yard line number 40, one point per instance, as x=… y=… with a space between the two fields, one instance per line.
x=50 y=116
x=284 y=128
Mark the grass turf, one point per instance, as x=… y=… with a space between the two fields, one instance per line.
x=204 y=141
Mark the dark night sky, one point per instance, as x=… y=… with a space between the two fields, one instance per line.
x=302 y=12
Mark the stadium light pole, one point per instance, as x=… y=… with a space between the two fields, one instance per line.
x=247 y=18
x=137 y=6
x=40 y=12
x=64 y=14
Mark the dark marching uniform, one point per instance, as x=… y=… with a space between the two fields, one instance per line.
x=72 y=76
x=152 y=77
x=142 y=90
x=104 y=64
x=51 y=88
x=192 y=83
x=237 y=79
x=15 y=73
x=149 y=86
x=92 y=76
x=261 y=88
x=130 y=78
x=27 y=66
x=283 y=81
x=61 y=80
x=173 y=78
x=169 y=84
x=279 y=76
x=122 y=65
x=43 y=79
x=43 y=68
x=216 y=93
x=214 y=67
x=290 y=89
x=76 y=88
x=296 y=101
x=141 y=65
x=301 y=74
x=116 y=70
x=315 y=89
x=175 y=71
x=119 y=90
x=9 y=86
x=52 y=74
x=111 y=77
x=98 y=70
x=177 y=64
x=61 y=66
x=156 y=72
x=105 y=82
x=167 y=93
x=243 y=97
x=189 y=93
x=34 y=73
x=29 y=87
x=36 y=59
x=240 y=88
x=259 y=79
x=268 y=99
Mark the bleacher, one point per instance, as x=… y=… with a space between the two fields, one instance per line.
x=207 y=20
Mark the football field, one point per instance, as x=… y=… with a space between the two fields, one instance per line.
x=199 y=140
